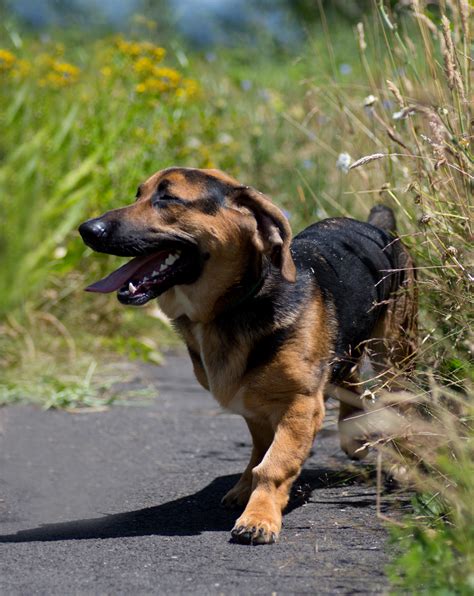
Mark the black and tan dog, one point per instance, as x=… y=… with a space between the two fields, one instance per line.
x=271 y=324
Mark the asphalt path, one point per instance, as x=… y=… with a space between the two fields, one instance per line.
x=127 y=501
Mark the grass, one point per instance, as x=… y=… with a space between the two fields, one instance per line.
x=53 y=369
x=85 y=123
x=407 y=128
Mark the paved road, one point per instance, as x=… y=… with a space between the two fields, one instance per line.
x=127 y=502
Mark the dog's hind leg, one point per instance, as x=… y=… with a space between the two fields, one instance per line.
x=295 y=426
x=350 y=423
x=262 y=437
x=393 y=348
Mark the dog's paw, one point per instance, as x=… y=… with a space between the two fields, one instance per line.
x=354 y=446
x=253 y=529
x=238 y=496
x=356 y=450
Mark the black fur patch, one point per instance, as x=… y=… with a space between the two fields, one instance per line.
x=266 y=348
x=349 y=260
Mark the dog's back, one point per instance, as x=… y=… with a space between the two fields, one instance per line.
x=358 y=267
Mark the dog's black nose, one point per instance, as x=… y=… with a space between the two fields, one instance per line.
x=92 y=230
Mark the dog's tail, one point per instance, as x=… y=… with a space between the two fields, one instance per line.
x=400 y=318
x=383 y=217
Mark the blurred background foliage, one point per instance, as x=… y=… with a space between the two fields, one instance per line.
x=95 y=99
x=96 y=96
x=284 y=95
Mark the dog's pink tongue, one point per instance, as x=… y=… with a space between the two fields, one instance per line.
x=120 y=277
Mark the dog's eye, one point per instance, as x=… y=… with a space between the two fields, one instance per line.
x=139 y=191
x=164 y=199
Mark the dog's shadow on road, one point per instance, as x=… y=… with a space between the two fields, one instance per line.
x=186 y=516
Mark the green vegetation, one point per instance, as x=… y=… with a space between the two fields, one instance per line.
x=437 y=543
x=379 y=112
x=84 y=125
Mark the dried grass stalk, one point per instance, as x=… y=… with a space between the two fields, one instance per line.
x=427 y=21
x=390 y=131
x=396 y=93
x=464 y=11
x=368 y=158
x=447 y=51
x=450 y=61
x=361 y=37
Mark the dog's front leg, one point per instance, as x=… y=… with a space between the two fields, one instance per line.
x=295 y=426
x=262 y=437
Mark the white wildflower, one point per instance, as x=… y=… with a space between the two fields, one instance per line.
x=404 y=113
x=343 y=162
x=369 y=101
x=224 y=138
x=193 y=143
x=60 y=252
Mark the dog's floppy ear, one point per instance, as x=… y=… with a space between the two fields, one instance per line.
x=274 y=232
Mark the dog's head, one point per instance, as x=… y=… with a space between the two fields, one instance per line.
x=199 y=230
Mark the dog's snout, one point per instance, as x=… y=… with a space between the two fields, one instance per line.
x=93 y=230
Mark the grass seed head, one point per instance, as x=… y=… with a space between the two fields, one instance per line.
x=366 y=159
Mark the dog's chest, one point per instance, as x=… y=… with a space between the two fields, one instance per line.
x=223 y=364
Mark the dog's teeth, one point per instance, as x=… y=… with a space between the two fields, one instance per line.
x=172 y=258
x=145 y=278
x=131 y=288
x=155 y=273
x=163 y=267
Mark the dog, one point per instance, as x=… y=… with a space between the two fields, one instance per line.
x=272 y=325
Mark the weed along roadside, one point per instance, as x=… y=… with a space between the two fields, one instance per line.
x=371 y=107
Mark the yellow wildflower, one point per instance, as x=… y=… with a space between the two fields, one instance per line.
x=146 y=47
x=106 y=71
x=7 y=60
x=155 y=51
x=129 y=48
x=152 y=85
x=51 y=80
x=156 y=85
x=66 y=69
x=167 y=75
x=22 y=68
x=62 y=74
x=144 y=65
x=189 y=88
x=158 y=53
x=136 y=49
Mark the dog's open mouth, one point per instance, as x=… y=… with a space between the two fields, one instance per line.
x=146 y=277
